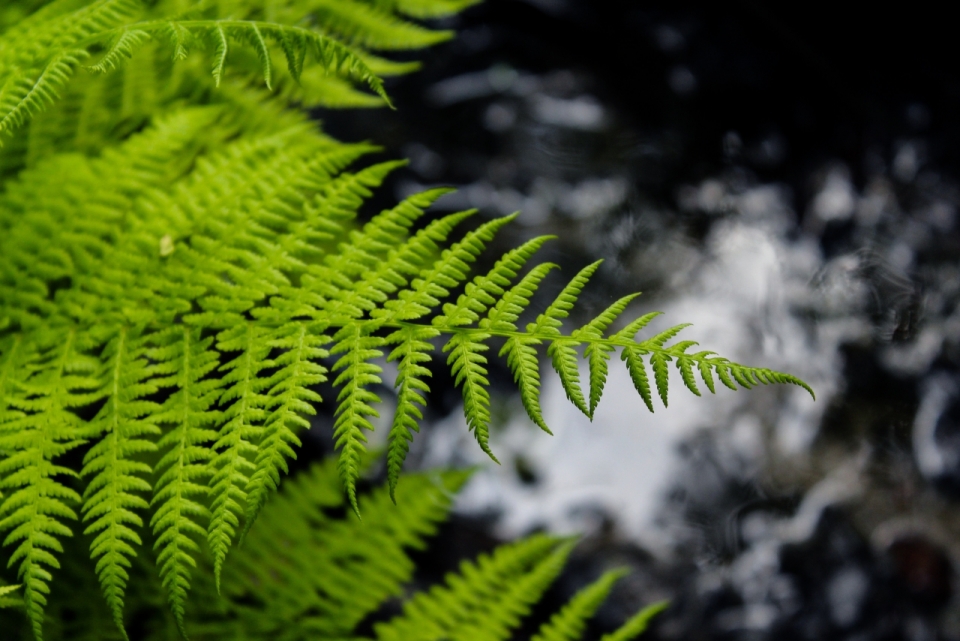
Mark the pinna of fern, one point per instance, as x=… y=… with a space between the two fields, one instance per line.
x=310 y=570
x=191 y=284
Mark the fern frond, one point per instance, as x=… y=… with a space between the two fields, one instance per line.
x=365 y=26
x=236 y=448
x=184 y=360
x=485 y=290
x=379 y=258
x=565 y=361
x=14 y=358
x=35 y=509
x=523 y=362
x=551 y=319
x=503 y=316
x=569 y=623
x=637 y=624
x=301 y=569
x=354 y=402
x=562 y=353
x=412 y=351
x=521 y=357
x=424 y=9
x=468 y=366
x=23 y=96
x=7 y=601
x=302 y=344
x=638 y=374
x=485 y=600
x=436 y=281
x=334 y=57
x=121 y=48
x=111 y=500
x=598 y=352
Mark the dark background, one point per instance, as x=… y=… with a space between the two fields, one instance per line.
x=824 y=81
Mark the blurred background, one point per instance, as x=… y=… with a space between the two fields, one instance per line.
x=786 y=177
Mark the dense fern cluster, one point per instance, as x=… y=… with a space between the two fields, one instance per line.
x=181 y=266
x=308 y=569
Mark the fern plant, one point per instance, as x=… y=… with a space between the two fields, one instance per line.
x=182 y=264
x=311 y=570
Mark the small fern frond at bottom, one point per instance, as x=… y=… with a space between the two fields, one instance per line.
x=486 y=599
x=637 y=624
x=568 y=624
x=309 y=569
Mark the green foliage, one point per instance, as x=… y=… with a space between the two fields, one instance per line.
x=181 y=266
x=311 y=570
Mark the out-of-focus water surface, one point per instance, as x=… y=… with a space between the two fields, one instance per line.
x=793 y=197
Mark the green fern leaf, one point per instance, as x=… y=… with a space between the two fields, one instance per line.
x=23 y=96
x=658 y=361
x=220 y=56
x=291 y=397
x=485 y=600
x=552 y=318
x=120 y=50
x=381 y=257
x=321 y=576
x=521 y=352
x=355 y=400
x=723 y=373
x=14 y=358
x=468 y=363
x=364 y=26
x=638 y=374
x=685 y=364
x=569 y=623
x=484 y=290
x=503 y=316
x=412 y=351
x=185 y=359
x=468 y=366
x=436 y=281
x=597 y=352
x=562 y=353
x=705 y=372
x=111 y=500
x=522 y=360
x=7 y=601
x=637 y=624
x=630 y=331
x=424 y=9
x=563 y=356
x=236 y=446
x=255 y=38
x=33 y=512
